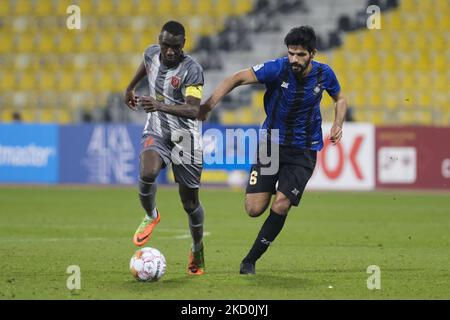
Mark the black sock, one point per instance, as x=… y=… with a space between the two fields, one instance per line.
x=269 y=231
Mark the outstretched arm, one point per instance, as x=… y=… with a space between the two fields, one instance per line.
x=240 y=78
x=339 y=115
x=130 y=99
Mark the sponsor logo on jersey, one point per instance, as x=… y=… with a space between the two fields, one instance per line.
x=257 y=67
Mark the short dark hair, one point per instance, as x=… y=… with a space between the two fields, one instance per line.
x=174 y=28
x=301 y=36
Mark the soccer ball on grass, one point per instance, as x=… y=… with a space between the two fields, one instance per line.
x=148 y=264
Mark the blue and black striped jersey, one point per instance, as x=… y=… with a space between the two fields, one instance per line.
x=293 y=106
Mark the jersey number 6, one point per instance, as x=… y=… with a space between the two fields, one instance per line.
x=253 y=178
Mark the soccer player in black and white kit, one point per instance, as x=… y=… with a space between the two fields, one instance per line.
x=175 y=84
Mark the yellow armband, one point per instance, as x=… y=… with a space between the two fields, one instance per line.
x=194 y=91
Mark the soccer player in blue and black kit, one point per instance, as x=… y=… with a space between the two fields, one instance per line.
x=294 y=87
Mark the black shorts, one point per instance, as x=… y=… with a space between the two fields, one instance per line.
x=296 y=167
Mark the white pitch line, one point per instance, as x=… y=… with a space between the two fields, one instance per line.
x=176 y=237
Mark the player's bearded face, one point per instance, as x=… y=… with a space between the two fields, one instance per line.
x=299 y=58
x=171 y=48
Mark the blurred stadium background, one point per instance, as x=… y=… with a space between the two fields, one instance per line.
x=396 y=75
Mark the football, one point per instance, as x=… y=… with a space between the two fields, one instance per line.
x=148 y=264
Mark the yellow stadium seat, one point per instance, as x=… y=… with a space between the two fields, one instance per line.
x=125 y=8
x=7 y=43
x=327 y=101
x=374 y=98
x=89 y=7
x=46 y=81
x=441 y=82
x=105 y=43
x=6 y=114
x=258 y=98
x=125 y=43
x=373 y=80
x=391 y=100
x=407 y=117
x=61 y=6
x=423 y=99
x=46 y=42
x=62 y=116
x=241 y=7
x=356 y=99
x=103 y=81
x=144 y=7
x=65 y=81
x=7 y=80
x=43 y=8
x=22 y=7
x=163 y=7
x=28 y=115
x=351 y=42
x=222 y=8
x=338 y=60
x=6 y=8
x=228 y=117
x=46 y=115
x=103 y=8
x=441 y=100
x=25 y=43
x=85 y=42
x=391 y=22
x=184 y=7
x=377 y=117
x=25 y=81
x=85 y=80
x=65 y=42
x=204 y=8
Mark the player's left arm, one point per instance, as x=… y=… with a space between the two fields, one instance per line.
x=340 y=108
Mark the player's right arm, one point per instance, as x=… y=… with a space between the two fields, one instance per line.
x=240 y=78
x=130 y=98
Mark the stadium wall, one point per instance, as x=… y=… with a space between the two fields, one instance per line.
x=410 y=157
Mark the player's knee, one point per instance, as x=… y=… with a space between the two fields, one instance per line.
x=149 y=175
x=281 y=206
x=254 y=210
x=190 y=206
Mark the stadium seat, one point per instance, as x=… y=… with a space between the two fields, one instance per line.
x=144 y=7
x=22 y=7
x=7 y=44
x=43 y=8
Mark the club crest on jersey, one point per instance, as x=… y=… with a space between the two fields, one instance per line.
x=175 y=82
x=317 y=89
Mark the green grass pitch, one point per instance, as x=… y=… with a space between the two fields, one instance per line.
x=322 y=253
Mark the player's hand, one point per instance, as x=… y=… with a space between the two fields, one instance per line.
x=335 y=134
x=205 y=109
x=150 y=104
x=131 y=100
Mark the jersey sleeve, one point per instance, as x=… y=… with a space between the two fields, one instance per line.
x=148 y=54
x=267 y=71
x=194 y=76
x=331 y=83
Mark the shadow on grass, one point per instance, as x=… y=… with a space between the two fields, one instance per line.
x=278 y=281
